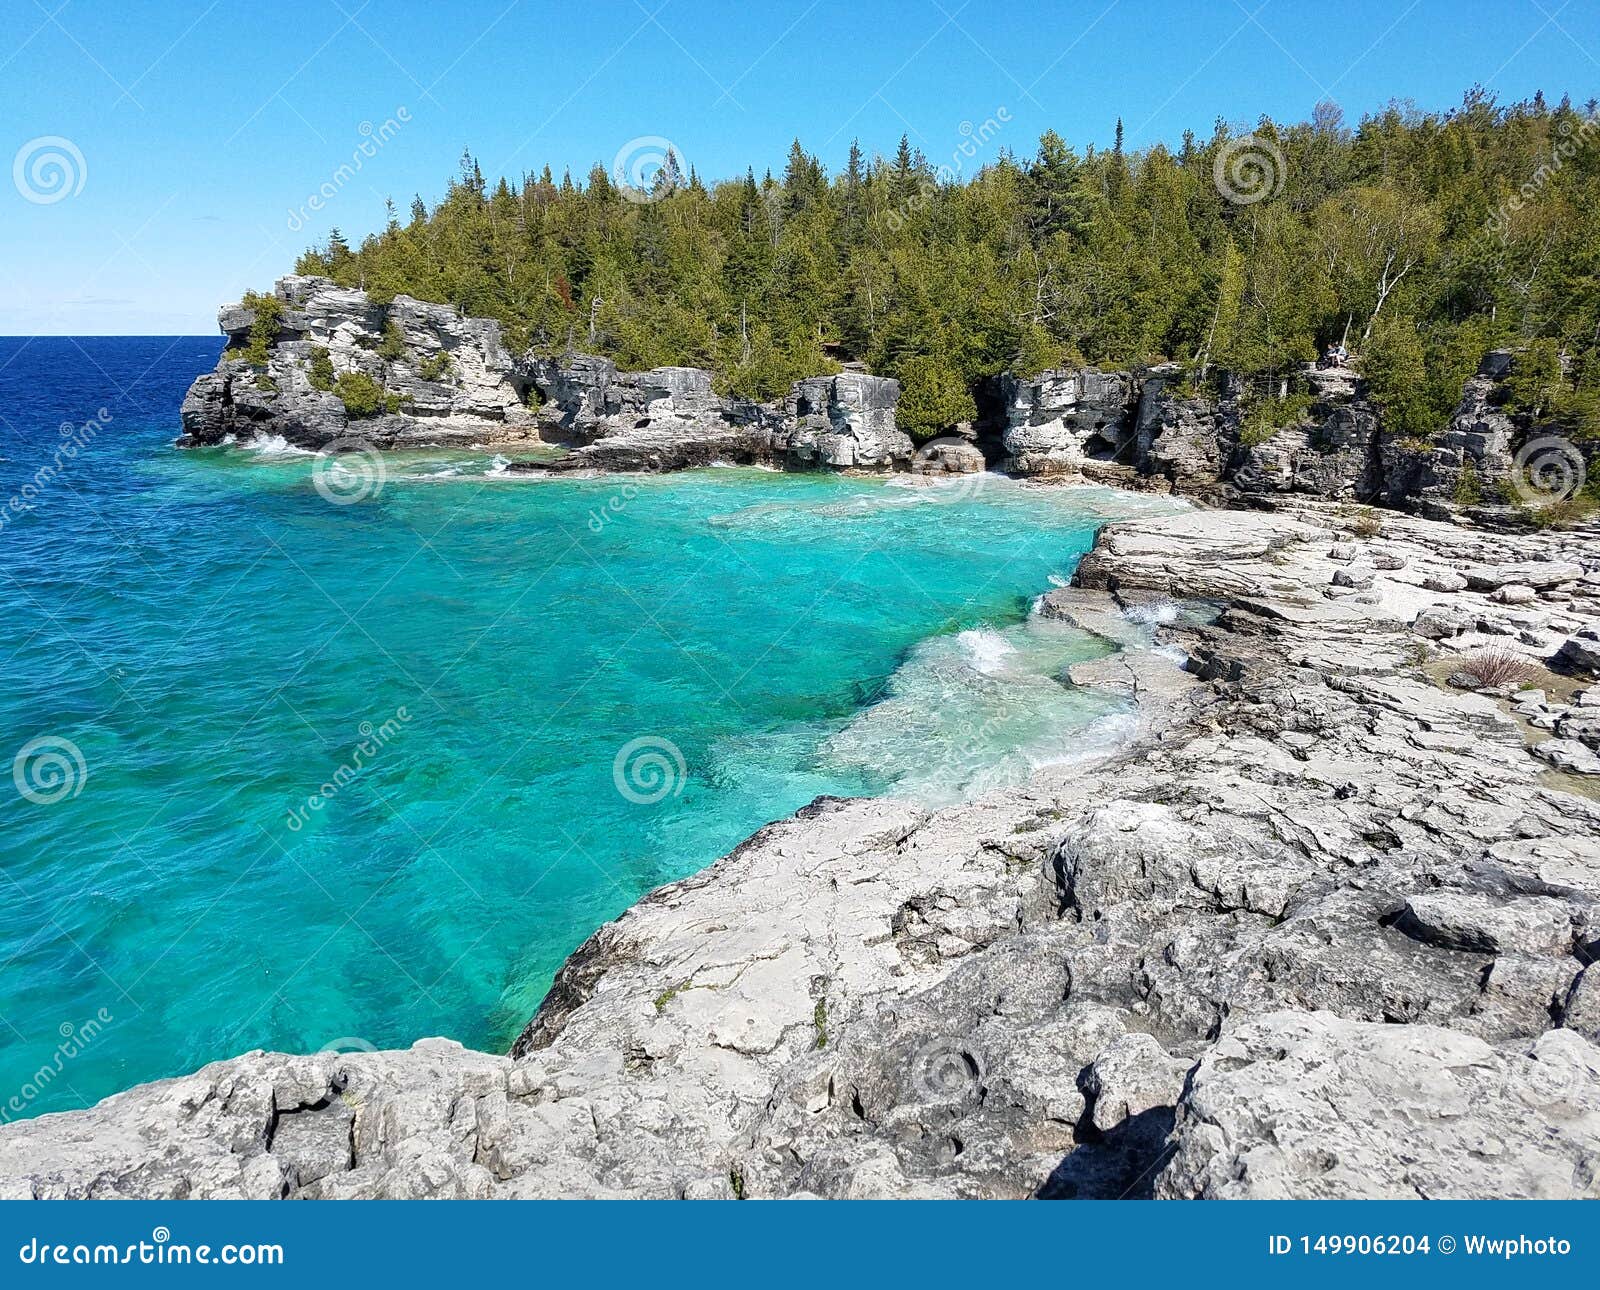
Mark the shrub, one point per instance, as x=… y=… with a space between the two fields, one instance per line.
x=1496 y=666
x=268 y=311
x=1365 y=522
x=360 y=394
x=436 y=367
x=393 y=344
x=320 y=372
x=935 y=398
x=1469 y=486
x=1265 y=417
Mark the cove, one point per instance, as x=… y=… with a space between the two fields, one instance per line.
x=356 y=774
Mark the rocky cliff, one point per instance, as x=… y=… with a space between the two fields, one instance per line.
x=1325 y=928
x=330 y=367
x=436 y=378
x=671 y=418
x=327 y=367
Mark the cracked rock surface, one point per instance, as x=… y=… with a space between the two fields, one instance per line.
x=1322 y=929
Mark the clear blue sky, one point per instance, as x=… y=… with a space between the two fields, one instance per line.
x=202 y=125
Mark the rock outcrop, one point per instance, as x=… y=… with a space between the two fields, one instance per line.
x=426 y=376
x=438 y=378
x=1325 y=928
x=671 y=418
x=1067 y=417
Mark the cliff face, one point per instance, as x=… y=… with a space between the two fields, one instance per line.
x=443 y=379
x=670 y=418
x=1142 y=430
x=1325 y=929
x=436 y=378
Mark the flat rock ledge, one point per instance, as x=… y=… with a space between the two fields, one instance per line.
x=1325 y=928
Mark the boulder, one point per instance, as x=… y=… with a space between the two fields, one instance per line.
x=1568 y=755
x=1535 y=574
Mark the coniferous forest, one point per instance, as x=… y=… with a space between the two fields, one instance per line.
x=1421 y=239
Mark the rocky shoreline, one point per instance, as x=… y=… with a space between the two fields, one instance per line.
x=1324 y=928
x=330 y=369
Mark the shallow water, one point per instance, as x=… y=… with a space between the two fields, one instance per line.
x=354 y=774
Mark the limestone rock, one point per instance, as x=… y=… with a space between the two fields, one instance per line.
x=1312 y=1106
x=449 y=378
x=1065 y=416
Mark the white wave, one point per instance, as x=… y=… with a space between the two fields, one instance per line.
x=986 y=649
x=1056 y=580
x=499 y=465
x=1156 y=613
x=275 y=445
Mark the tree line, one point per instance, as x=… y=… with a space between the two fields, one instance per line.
x=1422 y=239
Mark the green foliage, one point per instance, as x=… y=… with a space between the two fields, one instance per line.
x=268 y=311
x=361 y=395
x=934 y=397
x=1263 y=418
x=1397 y=234
x=320 y=370
x=1469 y=484
x=393 y=344
x=436 y=367
x=1535 y=378
x=1395 y=368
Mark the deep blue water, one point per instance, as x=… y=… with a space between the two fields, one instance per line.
x=197 y=643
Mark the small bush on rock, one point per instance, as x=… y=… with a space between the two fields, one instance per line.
x=1497 y=666
x=320 y=372
x=268 y=311
x=360 y=394
x=436 y=367
x=393 y=345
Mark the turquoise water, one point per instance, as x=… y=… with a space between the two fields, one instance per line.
x=350 y=773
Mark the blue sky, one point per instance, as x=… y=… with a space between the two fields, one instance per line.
x=193 y=132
